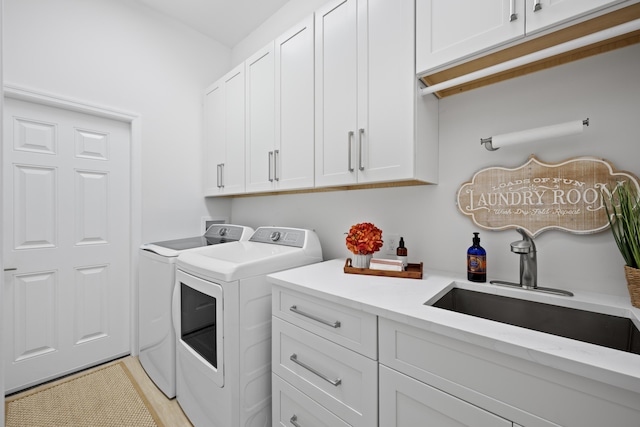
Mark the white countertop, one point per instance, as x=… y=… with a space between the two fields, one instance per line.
x=403 y=300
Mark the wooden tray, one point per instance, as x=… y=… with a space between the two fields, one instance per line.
x=413 y=271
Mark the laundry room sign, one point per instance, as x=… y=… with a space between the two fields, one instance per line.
x=538 y=196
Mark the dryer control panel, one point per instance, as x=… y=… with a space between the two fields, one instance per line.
x=280 y=236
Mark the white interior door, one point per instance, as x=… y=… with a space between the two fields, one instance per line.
x=66 y=189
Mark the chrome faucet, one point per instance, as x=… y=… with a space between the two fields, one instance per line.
x=528 y=260
x=526 y=248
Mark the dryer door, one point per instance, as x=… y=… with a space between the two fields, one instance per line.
x=198 y=322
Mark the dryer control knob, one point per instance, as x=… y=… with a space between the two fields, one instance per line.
x=222 y=231
x=275 y=236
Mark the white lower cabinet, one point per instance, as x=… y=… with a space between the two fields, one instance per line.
x=456 y=377
x=338 y=360
x=406 y=402
x=314 y=378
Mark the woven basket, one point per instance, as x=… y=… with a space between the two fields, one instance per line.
x=633 y=283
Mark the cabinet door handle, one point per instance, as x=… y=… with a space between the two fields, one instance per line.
x=350 y=150
x=270 y=160
x=276 y=155
x=537 y=6
x=10 y=269
x=334 y=325
x=335 y=383
x=293 y=420
x=513 y=15
x=218 y=174
x=221 y=175
x=360 y=165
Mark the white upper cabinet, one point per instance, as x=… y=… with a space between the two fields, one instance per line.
x=224 y=134
x=542 y=14
x=336 y=93
x=294 y=54
x=366 y=95
x=279 y=115
x=260 y=119
x=449 y=30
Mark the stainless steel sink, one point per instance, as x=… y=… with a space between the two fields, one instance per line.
x=607 y=330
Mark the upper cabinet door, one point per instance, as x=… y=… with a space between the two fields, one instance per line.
x=233 y=167
x=542 y=14
x=336 y=93
x=224 y=130
x=293 y=156
x=214 y=142
x=365 y=92
x=260 y=119
x=386 y=91
x=449 y=30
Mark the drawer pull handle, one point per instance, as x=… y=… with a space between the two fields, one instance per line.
x=293 y=420
x=335 y=324
x=336 y=382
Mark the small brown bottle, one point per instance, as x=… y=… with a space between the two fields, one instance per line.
x=401 y=254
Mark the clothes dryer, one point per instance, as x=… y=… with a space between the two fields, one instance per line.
x=222 y=317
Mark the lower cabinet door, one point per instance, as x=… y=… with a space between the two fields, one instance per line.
x=406 y=402
x=292 y=408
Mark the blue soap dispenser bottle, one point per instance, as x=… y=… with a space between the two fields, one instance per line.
x=476 y=261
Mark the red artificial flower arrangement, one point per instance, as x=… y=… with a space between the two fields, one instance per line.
x=364 y=238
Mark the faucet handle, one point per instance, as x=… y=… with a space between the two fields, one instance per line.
x=521 y=247
x=524 y=246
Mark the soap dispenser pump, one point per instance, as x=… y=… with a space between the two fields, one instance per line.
x=476 y=261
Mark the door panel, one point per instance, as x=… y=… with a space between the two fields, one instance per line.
x=336 y=93
x=92 y=204
x=260 y=119
x=35 y=315
x=91 y=310
x=35 y=198
x=66 y=226
x=294 y=107
x=386 y=113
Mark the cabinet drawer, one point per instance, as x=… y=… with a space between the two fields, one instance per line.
x=353 y=329
x=291 y=406
x=405 y=402
x=344 y=382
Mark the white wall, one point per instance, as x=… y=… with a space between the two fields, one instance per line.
x=286 y=17
x=120 y=54
x=604 y=88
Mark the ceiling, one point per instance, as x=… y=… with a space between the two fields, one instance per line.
x=227 y=21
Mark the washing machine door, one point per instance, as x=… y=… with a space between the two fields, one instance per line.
x=198 y=320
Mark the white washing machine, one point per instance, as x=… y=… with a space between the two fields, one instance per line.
x=222 y=316
x=157 y=276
